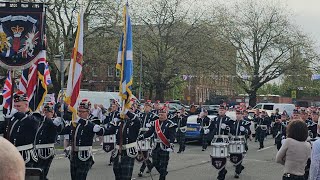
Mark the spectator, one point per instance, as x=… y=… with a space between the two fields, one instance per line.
x=96 y=112
x=315 y=159
x=295 y=151
x=11 y=162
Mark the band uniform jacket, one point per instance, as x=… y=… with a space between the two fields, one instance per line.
x=47 y=134
x=111 y=116
x=217 y=123
x=168 y=128
x=20 y=129
x=147 y=118
x=82 y=134
x=181 y=122
x=130 y=131
x=261 y=121
x=235 y=127
x=312 y=128
x=203 y=122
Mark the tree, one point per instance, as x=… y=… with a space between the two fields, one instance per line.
x=265 y=39
x=163 y=28
x=100 y=19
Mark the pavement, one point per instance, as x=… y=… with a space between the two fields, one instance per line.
x=192 y=164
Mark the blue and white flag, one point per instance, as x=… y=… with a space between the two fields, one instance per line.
x=125 y=61
x=315 y=77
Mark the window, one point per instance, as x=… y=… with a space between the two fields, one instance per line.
x=110 y=71
x=117 y=73
x=94 y=72
x=110 y=88
x=268 y=107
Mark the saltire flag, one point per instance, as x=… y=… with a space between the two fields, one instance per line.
x=75 y=69
x=47 y=76
x=125 y=61
x=6 y=93
x=33 y=82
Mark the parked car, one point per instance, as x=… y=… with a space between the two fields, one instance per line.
x=177 y=105
x=193 y=128
x=271 y=107
x=212 y=109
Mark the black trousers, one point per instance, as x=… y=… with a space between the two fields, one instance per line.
x=294 y=177
x=45 y=165
x=160 y=160
x=181 y=138
x=261 y=134
x=123 y=167
x=79 y=169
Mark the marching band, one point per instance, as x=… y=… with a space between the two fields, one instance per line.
x=146 y=135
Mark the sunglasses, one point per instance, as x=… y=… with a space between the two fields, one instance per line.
x=48 y=109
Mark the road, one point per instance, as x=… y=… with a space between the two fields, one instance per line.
x=192 y=164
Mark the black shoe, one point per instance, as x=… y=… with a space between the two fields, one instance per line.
x=236 y=176
x=179 y=152
x=148 y=171
x=204 y=149
x=140 y=174
x=110 y=164
x=222 y=176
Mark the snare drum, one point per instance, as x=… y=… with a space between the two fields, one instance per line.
x=219 y=150
x=144 y=145
x=236 y=147
x=109 y=138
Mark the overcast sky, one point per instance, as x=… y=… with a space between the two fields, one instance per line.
x=306 y=14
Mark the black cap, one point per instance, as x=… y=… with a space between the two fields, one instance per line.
x=20 y=96
x=222 y=106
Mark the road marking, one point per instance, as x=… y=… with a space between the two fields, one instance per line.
x=257 y=160
x=265 y=148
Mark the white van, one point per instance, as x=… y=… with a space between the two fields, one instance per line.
x=271 y=107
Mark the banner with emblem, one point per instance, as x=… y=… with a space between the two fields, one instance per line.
x=21 y=34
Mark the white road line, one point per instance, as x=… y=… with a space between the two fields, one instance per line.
x=265 y=148
x=257 y=160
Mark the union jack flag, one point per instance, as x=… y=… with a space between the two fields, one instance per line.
x=6 y=93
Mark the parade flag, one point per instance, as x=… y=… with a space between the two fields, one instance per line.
x=125 y=61
x=33 y=83
x=6 y=93
x=75 y=70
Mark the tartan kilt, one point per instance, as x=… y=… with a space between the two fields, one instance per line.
x=123 y=170
x=160 y=160
x=79 y=169
x=181 y=137
x=45 y=165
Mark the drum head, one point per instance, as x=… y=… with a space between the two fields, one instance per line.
x=218 y=163
x=107 y=147
x=236 y=158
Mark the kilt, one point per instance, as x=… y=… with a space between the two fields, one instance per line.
x=160 y=160
x=261 y=134
x=123 y=169
x=79 y=169
x=45 y=165
x=204 y=140
x=181 y=138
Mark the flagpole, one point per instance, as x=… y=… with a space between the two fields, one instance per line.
x=12 y=89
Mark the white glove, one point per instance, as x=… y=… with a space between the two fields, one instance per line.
x=13 y=111
x=115 y=119
x=283 y=141
x=171 y=148
x=148 y=125
x=223 y=126
x=96 y=128
x=57 y=121
x=242 y=128
x=206 y=131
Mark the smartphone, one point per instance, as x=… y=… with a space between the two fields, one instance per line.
x=34 y=174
